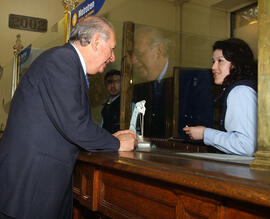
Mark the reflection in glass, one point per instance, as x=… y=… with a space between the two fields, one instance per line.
x=150 y=57
x=245 y=25
x=195 y=99
x=153 y=58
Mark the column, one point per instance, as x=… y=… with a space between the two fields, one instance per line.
x=262 y=156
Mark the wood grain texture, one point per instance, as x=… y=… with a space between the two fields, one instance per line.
x=155 y=185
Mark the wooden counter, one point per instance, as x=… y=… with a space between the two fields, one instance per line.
x=166 y=185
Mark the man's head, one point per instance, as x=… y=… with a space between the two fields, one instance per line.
x=112 y=82
x=94 y=37
x=150 y=53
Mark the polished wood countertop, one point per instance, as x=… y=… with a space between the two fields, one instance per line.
x=225 y=179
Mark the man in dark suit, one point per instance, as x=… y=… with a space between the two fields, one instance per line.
x=150 y=57
x=111 y=109
x=50 y=121
x=150 y=60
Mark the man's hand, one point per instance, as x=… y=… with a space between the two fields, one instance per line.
x=127 y=139
x=195 y=132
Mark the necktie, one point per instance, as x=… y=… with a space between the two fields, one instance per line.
x=87 y=82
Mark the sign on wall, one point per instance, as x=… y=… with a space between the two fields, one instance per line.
x=26 y=57
x=87 y=8
x=27 y=23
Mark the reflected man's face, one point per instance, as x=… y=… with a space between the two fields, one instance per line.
x=147 y=60
x=113 y=85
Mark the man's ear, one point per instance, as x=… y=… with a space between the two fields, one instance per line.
x=95 y=42
x=160 y=50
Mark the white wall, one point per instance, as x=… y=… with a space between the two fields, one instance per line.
x=202 y=26
x=52 y=10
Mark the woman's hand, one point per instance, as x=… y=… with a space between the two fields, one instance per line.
x=195 y=132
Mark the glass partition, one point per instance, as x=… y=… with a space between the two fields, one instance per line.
x=183 y=33
x=245 y=25
x=158 y=50
x=182 y=38
x=155 y=54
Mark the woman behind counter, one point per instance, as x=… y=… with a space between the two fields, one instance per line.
x=235 y=69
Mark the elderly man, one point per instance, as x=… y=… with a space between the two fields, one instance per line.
x=50 y=121
x=150 y=58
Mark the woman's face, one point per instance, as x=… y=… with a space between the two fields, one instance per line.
x=221 y=67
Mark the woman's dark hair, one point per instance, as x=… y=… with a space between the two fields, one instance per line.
x=238 y=52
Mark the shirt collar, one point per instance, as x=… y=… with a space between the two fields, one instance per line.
x=163 y=72
x=114 y=98
x=81 y=58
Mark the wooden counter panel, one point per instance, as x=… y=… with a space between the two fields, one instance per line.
x=138 y=196
x=199 y=207
x=235 y=210
x=85 y=186
x=236 y=214
x=147 y=185
x=220 y=178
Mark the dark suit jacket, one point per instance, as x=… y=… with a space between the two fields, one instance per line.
x=195 y=98
x=111 y=115
x=158 y=114
x=49 y=121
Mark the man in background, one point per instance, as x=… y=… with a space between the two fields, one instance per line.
x=111 y=109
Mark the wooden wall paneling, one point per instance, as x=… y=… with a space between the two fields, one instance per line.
x=169 y=107
x=175 y=101
x=126 y=67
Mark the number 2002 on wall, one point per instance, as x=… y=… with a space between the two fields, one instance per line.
x=27 y=23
